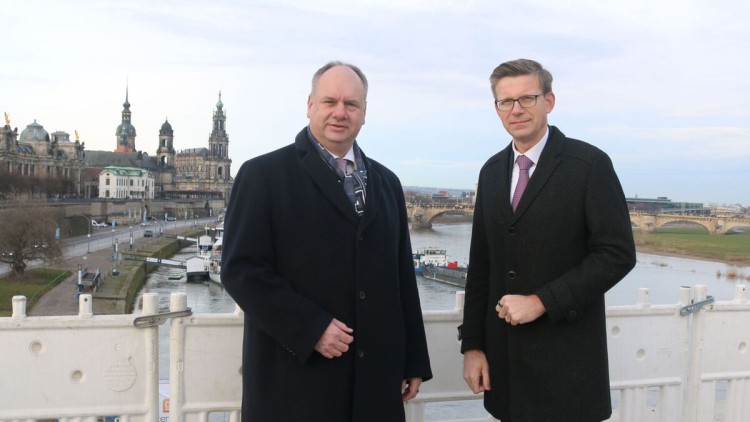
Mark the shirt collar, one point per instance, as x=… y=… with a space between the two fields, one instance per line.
x=349 y=154
x=535 y=152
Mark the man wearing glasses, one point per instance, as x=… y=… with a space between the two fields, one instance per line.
x=551 y=235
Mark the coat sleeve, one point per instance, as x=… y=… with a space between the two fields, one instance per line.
x=248 y=267
x=611 y=250
x=417 y=358
x=472 y=331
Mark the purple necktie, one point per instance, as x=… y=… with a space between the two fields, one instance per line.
x=524 y=164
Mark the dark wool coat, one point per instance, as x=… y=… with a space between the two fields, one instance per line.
x=296 y=256
x=569 y=241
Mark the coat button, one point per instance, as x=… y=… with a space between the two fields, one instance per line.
x=572 y=315
x=511 y=230
x=360 y=353
x=362 y=294
x=511 y=275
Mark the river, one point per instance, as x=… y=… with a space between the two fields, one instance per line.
x=663 y=275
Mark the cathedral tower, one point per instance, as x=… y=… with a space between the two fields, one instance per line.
x=218 y=142
x=125 y=132
x=166 y=151
x=218 y=145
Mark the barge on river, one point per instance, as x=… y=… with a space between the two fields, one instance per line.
x=433 y=264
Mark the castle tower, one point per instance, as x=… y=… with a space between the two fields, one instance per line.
x=218 y=142
x=165 y=153
x=125 y=132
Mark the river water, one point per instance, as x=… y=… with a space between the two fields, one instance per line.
x=662 y=275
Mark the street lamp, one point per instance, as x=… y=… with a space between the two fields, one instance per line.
x=88 y=235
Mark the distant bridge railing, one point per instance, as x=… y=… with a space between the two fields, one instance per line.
x=688 y=361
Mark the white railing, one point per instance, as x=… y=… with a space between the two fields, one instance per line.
x=664 y=366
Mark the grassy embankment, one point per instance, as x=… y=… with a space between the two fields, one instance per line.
x=36 y=283
x=695 y=242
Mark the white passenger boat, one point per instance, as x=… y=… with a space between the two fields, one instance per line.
x=198 y=266
x=214 y=265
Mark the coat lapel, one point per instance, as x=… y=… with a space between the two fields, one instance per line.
x=374 y=189
x=323 y=176
x=548 y=162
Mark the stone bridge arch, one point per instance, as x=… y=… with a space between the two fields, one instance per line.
x=422 y=216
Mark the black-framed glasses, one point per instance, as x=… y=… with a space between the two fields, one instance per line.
x=525 y=102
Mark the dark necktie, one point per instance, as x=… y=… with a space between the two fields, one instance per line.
x=343 y=164
x=524 y=164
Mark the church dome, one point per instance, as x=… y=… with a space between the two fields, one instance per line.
x=166 y=129
x=34 y=133
x=128 y=129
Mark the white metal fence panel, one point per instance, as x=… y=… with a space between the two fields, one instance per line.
x=647 y=359
x=722 y=359
x=664 y=366
x=78 y=368
x=205 y=364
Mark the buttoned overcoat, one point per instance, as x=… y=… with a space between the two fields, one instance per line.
x=296 y=255
x=569 y=241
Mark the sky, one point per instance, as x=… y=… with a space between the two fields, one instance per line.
x=660 y=86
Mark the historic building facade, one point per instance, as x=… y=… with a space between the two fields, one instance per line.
x=200 y=172
x=192 y=173
x=126 y=183
x=39 y=163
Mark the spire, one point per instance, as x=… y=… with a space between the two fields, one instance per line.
x=219 y=104
x=126 y=104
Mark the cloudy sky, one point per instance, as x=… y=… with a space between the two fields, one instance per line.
x=661 y=86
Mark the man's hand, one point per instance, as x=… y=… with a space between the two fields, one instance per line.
x=410 y=388
x=476 y=371
x=335 y=340
x=519 y=309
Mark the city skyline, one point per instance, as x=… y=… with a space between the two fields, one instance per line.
x=649 y=89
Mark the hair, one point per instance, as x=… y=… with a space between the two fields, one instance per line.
x=334 y=63
x=522 y=67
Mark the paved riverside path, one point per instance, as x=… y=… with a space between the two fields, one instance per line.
x=61 y=300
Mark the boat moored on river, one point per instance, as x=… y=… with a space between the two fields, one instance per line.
x=433 y=264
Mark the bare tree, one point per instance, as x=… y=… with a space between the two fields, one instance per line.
x=27 y=233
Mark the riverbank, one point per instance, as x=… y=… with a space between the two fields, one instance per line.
x=692 y=244
x=115 y=294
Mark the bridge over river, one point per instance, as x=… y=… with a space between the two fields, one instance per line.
x=714 y=225
x=422 y=216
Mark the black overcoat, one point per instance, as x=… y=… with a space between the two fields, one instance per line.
x=296 y=256
x=569 y=241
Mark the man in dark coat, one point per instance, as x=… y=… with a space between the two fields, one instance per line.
x=542 y=256
x=317 y=254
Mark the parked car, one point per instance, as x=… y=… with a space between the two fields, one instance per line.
x=148 y=233
x=170 y=218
